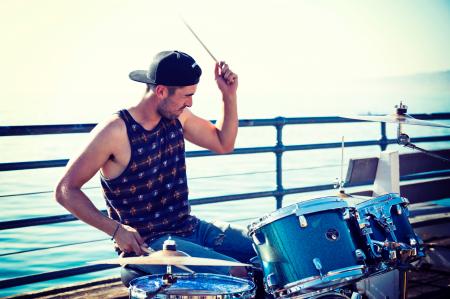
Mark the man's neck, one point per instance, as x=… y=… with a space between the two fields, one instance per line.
x=146 y=113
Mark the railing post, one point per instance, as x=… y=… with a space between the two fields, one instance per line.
x=383 y=139
x=280 y=122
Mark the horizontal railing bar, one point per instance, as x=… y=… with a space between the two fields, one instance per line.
x=12 y=224
x=190 y=179
x=85 y=128
x=51 y=247
x=45 y=129
x=239 y=151
x=426 y=175
x=33 y=164
x=18 y=281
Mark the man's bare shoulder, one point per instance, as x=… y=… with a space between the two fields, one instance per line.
x=185 y=115
x=113 y=126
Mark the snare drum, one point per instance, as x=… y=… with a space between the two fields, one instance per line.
x=387 y=232
x=307 y=248
x=192 y=286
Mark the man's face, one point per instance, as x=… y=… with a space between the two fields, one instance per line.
x=173 y=105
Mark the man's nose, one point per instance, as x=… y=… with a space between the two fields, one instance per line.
x=188 y=102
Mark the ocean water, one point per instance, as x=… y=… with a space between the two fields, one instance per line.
x=28 y=193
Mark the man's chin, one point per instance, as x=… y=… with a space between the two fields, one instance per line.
x=172 y=116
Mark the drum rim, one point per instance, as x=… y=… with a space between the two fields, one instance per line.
x=300 y=208
x=248 y=288
x=390 y=198
x=310 y=284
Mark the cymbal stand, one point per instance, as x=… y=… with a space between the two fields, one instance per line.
x=403 y=139
x=339 y=183
x=168 y=277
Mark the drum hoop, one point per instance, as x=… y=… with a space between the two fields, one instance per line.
x=301 y=208
x=390 y=198
x=340 y=276
x=249 y=287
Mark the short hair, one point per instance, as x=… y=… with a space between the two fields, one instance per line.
x=171 y=89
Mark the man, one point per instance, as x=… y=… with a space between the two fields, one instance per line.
x=141 y=157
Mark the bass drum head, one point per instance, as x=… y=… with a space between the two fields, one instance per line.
x=192 y=286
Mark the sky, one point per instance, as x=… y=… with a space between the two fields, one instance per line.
x=68 y=61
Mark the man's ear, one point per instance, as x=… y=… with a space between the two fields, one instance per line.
x=161 y=91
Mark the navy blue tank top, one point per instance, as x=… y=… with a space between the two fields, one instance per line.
x=151 y=194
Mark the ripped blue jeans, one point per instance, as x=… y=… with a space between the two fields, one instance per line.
x=216 y=240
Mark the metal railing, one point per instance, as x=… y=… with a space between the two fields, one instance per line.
x=279 y=148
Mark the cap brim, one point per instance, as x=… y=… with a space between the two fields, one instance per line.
x=140 y=76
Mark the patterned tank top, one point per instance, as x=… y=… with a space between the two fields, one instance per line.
x=151 y=194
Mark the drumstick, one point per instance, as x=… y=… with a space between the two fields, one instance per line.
x=230 y=81
x=196 y=36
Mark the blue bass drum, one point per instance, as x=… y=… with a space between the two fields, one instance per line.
x=192 y=286
x=308 y=248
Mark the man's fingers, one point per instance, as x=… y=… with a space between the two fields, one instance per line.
x=136 y=248
x=138 y=238
x=222 y=71
x=145 y=249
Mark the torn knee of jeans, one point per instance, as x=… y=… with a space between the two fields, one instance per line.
x=218 y=241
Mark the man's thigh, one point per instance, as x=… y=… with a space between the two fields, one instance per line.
x=230 y=240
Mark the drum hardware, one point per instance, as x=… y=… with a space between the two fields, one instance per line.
x=392 y=255
x=405 y=253
x=398 y=209
x=390 y=239
x=388 y=225
x=346 y=214
x=272 y=281
x=339 y=182
x=318 y=265
x=360 y=256
x=302 y=220
x=258 y=238
x=356 y=295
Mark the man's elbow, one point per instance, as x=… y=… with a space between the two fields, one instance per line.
x=60 y=193
x=225 y=150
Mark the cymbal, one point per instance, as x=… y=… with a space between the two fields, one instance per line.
x=397 y=119
x=170 y=257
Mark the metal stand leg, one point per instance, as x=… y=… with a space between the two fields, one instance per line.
x=404 y=283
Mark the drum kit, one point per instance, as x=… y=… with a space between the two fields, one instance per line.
x=317 y=248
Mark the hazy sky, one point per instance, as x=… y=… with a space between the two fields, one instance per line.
x=68 y=61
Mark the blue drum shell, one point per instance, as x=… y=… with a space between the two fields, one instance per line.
x=287 y=250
